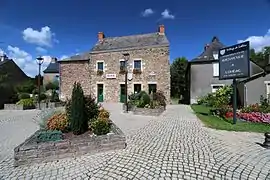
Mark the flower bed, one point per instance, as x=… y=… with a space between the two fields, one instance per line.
x=32 y=151
x=83 y=127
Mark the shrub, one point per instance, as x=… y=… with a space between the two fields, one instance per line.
x=24 y=96
x=159 y=98
x=46 y=136
x=43 y=96
x=58 y=122
x=78 y=123
x=68 y=109
x=100 y=127
x=91 y=107
x=103 y=114
x=45 y=116
x=251 y=108
x=54 y=97
x=26 y=102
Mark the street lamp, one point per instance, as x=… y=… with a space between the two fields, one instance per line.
x=39 y=62
x=126 y=57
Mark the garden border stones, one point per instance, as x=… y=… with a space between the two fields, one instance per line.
x=148 y=112
x=32 y=152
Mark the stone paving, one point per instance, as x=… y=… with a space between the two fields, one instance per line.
x=172 y=146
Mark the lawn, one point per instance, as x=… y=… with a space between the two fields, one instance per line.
x=214 y=122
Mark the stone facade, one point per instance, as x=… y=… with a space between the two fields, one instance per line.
x=49 y=77
x=73 y=71
x=155 y=70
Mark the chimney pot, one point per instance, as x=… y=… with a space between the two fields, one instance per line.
x=161 y=29
x=53 y=60
x=206 y=46
x=100 y=36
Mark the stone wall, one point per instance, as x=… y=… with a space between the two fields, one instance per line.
x=16 y=107
x=48 y=77
x=148 y=111
x=155 y=70
x=73 y=71
x=32 y=152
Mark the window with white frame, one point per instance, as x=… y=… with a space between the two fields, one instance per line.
x=215 y=69
x=137 y=64
x=215 y=87
x=100 y=66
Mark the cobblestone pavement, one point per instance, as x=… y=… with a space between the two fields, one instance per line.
x=172 y=146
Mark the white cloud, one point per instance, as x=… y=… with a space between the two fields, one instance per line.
x=258 y=42
x=147 y=12
x=25 y=61
x=166 y=14
x=41 y=50
x=44 y=37
x=64 y=57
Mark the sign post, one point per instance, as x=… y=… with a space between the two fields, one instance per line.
x=234 y=63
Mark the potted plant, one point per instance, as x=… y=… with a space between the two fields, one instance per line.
x=99 y=72
x=136 y=71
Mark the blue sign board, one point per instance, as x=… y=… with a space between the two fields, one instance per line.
x=234 y=61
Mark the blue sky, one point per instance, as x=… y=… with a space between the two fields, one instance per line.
x=62 y=28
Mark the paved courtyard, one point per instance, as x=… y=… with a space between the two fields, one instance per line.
x=172 y=146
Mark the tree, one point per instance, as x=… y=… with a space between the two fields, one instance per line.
x=26 y=87
x=78 y=120
x=178 y=79
x=262 y=57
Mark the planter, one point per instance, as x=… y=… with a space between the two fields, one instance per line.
x=32 y=152
x=149 y=112
x=17 y=107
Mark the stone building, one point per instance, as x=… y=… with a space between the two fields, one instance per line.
x=100 y=70
x=51 y=73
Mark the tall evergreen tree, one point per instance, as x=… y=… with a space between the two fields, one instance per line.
x=78 y=121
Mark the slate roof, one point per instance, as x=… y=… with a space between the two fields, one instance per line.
x=207 y=54
x=130 y=42
x=77 y=57
x=52 y=68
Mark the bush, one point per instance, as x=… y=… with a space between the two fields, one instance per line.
x=103 y=114
x=54 y=97
x=100 y=127
x=52 y=86
x=91 y=108
x=58 y=122
x=159 y=98
x=26 y=102
x=45 y=116
x=78 y=123
x=43 y=96
x=24 y=96
x=47 y=136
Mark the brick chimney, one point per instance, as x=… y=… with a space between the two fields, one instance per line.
x=100 y=36
x=161 y=29
x=53 y=60
x=206 y=47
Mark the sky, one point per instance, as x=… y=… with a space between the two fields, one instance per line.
x=60 y=29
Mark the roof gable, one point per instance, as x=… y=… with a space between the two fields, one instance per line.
x=53 y=67
x=207 y=54
x=129 y=42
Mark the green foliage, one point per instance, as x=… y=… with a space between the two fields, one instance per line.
x=26 y=87
x=178 y=77
x=24 y=96
x=218 y=99
x=43 y=96
x=45 y=116
x=91 y=107
x=26 y=102
x=48 y=135
x=52 y=86
x=100 y=127
x=54 y=97
x=78 y=123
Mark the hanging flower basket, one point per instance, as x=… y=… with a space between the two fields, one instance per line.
x=137 y=71
x=99 y=72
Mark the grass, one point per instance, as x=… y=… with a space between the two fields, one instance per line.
x=214 y=122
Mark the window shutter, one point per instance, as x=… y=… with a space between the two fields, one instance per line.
x=215 y=69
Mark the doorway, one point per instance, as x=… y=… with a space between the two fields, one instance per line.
x=100 y=92
x=122 y=93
